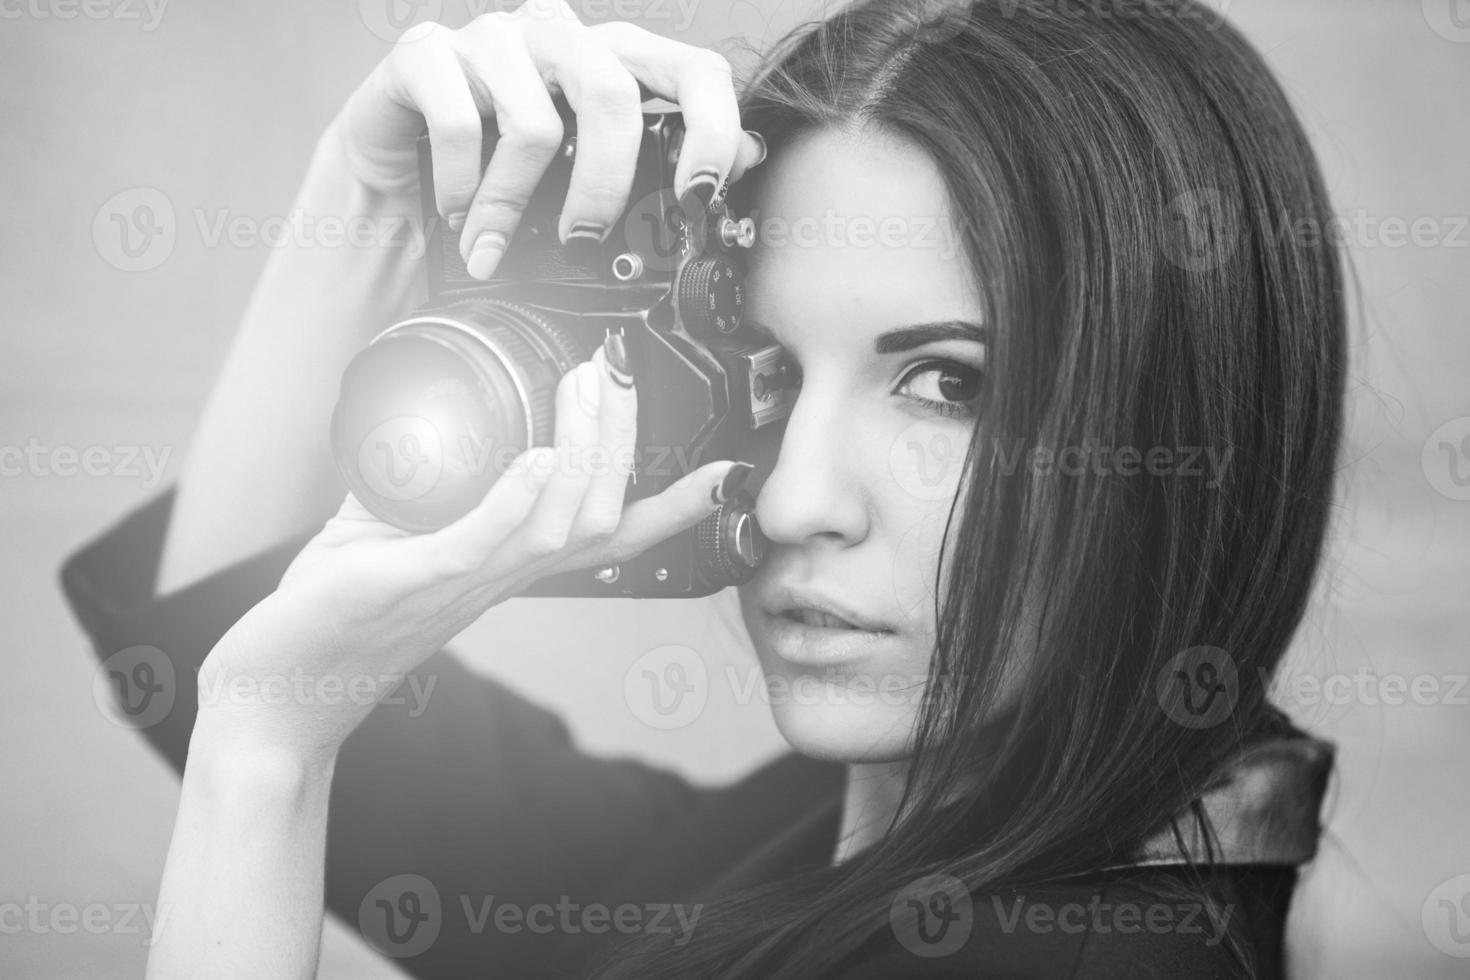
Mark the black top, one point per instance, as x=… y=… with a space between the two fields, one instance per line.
x=476 y=840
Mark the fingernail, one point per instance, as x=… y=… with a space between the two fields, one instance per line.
x=586 y=230
x=616 y=353
x=735 y=478
x=719 y=197
x=456 y=220
x=485 y=255
x=761 y=157
x=705 y=184
x=583 y=241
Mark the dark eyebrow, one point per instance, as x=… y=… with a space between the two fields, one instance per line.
x=907 y=338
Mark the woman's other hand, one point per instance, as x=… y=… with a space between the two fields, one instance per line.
x=507 y=66
x=365 y=602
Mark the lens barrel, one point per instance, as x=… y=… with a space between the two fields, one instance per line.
x=438 y=405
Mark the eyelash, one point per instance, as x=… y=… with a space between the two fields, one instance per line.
x=947 y=409
x=956 y=409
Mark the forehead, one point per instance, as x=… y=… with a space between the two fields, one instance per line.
x=856 y=222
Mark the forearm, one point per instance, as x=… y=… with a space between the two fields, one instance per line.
x=259 y=468
x=242 y=890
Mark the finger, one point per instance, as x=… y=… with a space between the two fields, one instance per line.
x=646 y=522
x=477 y=542
x=508 y=85
x=602 y=507
x=699 y=81
x=752 y=153
x=608 y=106
x=424 y=75
x=549 y=527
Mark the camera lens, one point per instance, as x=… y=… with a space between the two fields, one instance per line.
x=437 y=406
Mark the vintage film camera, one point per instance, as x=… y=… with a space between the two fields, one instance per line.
x=436 y=406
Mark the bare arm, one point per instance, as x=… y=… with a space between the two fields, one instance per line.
x=261 y=449
x=365 y=603
x=257 y=820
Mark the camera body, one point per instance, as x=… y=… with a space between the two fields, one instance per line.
x=437 y=405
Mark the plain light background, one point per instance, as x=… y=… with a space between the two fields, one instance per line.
x=217 y=104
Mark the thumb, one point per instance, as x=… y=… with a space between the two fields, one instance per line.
x=646 y=522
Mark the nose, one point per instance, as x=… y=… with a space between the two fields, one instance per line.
x=812 y=486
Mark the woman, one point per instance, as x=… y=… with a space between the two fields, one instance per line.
x=1061 y=458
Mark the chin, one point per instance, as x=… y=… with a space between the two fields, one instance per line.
x=840 y=716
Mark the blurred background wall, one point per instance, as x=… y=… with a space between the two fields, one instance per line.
x=214 y=106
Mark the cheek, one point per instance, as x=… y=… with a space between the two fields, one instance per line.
x=926 y=462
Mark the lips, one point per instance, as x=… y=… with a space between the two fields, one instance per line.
x=814 y=630
x=811 y=608
x=815 y=617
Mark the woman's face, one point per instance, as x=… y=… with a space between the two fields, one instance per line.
x=859 y=275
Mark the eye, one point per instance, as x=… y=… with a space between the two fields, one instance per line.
x=947 y=387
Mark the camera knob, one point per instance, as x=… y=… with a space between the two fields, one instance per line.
x=711 y=296
x=729 y=545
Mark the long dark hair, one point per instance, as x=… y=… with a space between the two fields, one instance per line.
x=1131 y=192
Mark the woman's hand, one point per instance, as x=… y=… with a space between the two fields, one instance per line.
x=507 y=65
x=364 y=602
